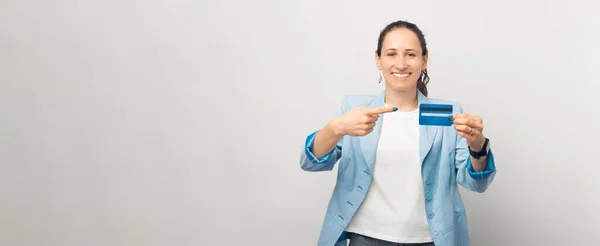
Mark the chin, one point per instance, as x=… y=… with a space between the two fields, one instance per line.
x=402 y=86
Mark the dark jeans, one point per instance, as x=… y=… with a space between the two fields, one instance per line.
x=360 y=240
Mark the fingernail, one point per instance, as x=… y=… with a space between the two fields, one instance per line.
x=450 y=116
x=452 y=121
x=395 y=109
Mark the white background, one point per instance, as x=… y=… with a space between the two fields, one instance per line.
x=181 y=122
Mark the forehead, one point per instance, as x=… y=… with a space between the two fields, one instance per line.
x=401 y=39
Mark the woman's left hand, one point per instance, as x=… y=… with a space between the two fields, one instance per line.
x=470 y=127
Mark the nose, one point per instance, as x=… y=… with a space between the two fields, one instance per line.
x=401 y=63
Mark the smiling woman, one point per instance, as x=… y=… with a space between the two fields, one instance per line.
x=396 y=187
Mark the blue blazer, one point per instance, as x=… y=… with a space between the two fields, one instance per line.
x=445 y=162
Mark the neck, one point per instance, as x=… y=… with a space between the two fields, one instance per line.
x=403 y=100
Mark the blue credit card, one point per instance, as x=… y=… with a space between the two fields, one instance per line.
x=435 y=114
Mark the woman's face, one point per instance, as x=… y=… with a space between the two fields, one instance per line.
x=401 y=61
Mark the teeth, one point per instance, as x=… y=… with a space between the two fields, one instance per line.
x=401 y=75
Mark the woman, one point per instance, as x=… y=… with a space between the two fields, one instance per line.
x=397 y=179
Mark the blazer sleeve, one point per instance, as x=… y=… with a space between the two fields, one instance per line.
x=465 y=175
x=309 y=162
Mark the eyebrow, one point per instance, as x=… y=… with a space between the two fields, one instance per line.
x=397 y=49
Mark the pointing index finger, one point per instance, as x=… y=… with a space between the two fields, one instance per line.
x=383 y=110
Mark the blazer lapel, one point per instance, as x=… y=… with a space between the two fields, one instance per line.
x=427 y=133
x=368 y=143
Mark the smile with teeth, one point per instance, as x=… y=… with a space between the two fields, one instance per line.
x=400 y=75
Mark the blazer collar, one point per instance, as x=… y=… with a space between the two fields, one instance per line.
x=369 y=142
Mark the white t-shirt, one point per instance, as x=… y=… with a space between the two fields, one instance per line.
x=394 y=208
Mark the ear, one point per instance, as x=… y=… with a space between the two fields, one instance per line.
x=425 y=59
x=377 y=61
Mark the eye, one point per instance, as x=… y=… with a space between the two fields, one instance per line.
x=412 y=54
x=391 y=54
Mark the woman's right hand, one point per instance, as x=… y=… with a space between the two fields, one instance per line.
x=359 y=121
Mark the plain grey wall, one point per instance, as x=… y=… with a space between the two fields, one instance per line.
x=181 y=122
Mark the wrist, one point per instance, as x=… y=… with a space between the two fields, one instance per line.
x=333 y=128
x=482 y=151
x=478 y=146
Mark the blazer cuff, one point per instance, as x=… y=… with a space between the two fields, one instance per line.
x=489 y=169
x=310 y=141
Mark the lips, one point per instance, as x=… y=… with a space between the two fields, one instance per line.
x=400 y=75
